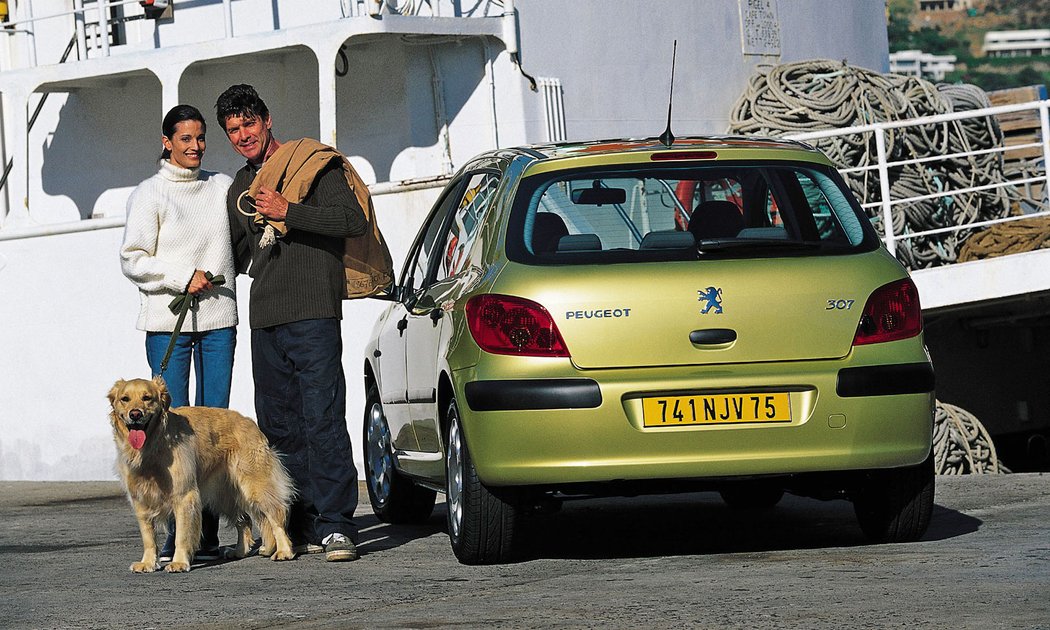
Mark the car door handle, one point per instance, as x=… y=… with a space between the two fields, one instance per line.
x=712 y=336
x=402 y=324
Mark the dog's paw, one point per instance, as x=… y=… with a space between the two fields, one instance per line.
x=177 y=567
x=144 y=567
x=265 y=551
x=283 y=555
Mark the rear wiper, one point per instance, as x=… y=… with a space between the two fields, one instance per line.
x=718 y=245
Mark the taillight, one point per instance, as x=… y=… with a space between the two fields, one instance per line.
x=502 y=324
x=891 y=313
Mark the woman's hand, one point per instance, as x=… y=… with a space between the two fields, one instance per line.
x=199 y=283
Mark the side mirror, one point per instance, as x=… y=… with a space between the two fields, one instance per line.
x=390 y=294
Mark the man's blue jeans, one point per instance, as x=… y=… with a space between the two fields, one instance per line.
x=212 y=353
x=212 y=356
x=300 y=400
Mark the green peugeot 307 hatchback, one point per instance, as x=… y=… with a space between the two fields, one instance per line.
x=622 y=317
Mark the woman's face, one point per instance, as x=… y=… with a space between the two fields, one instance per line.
x=186 y=144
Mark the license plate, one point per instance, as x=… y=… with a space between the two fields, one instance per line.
x=667 y=411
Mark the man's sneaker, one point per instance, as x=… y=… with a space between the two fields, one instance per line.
x=339 y=548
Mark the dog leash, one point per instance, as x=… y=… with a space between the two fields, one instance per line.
x=181 y=305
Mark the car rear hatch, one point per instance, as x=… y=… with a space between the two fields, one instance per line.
x=709 y=312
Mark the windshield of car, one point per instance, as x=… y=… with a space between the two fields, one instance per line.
x=646 y=212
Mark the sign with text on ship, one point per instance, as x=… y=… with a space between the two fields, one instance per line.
x=665 y=411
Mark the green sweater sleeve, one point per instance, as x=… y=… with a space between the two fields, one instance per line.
x=337 y=211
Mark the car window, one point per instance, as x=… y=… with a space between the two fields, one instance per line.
x=417 y=264
x=466 y=221
x=643 y=212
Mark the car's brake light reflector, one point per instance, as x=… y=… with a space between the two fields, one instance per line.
x=891 y=313
x=683 y=155
x=503 y=324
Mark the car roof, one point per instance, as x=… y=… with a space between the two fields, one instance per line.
x=625 y=150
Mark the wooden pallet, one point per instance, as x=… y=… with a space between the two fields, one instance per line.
x=1019 y=127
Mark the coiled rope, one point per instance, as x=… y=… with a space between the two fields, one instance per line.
x=824 y=94
x=961 y=444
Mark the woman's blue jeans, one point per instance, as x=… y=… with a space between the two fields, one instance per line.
x=212 y=357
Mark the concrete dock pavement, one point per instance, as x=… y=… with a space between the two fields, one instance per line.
x=660 y=562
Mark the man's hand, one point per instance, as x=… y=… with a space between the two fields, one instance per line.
x=271 y=204
x=199 y=283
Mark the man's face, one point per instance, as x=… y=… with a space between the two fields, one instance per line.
x=249 y=135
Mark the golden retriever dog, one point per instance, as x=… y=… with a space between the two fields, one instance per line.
x=177 y=461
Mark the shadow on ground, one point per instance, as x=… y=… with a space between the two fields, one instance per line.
x=675 y=525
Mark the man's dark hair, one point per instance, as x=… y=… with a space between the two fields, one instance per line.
x=240 y=100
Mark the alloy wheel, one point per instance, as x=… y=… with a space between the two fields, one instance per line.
x=378 y=453
x=454 y=492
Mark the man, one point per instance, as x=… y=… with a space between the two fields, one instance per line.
x=295 y=308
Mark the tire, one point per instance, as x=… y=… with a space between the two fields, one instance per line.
x=895 y=505
x=481 y=524
x=752 y=495
x=394 y=498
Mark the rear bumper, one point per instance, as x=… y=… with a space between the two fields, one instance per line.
x=541 y=393
x=517 y=435
x=885 y=380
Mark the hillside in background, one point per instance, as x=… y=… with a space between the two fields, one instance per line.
x=961 y=33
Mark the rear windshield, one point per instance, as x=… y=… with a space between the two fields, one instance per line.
x=724 y=210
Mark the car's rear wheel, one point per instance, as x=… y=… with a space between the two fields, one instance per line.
x=895 y=505
x=481 y=523
x=394 y=498
x=753 y=495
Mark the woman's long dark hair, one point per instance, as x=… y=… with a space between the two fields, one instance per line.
x=176 y=115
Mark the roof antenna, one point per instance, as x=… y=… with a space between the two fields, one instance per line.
x=667 y=138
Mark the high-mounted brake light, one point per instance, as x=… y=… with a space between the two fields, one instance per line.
x=683 y=155
x=503 y=324
x=891 y=313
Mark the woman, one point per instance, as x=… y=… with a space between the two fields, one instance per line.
x=177 y=230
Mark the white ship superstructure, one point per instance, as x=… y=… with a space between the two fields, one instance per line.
x=408 y=90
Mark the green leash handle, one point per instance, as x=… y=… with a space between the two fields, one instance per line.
x=181 y=305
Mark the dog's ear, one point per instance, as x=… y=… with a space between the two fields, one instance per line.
x=162 y=389
x=115 y=391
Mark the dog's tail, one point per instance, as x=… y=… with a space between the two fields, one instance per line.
x=281 y=488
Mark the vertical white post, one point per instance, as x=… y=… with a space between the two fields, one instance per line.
x=510 y=27
x=30 y=34
x=16 y=135
x=227 y=6
x=78 y=21
x=103 y=25
x=490 y=78
x=884 y=190
x=1044 y=121
x=169 y=92
x=326 y=101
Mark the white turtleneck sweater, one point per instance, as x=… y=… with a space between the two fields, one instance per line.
x=177 y=223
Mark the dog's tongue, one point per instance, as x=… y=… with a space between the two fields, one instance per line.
x=136 y=438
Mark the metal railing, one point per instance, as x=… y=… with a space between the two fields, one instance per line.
x=886 y=204
x=100 y=28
